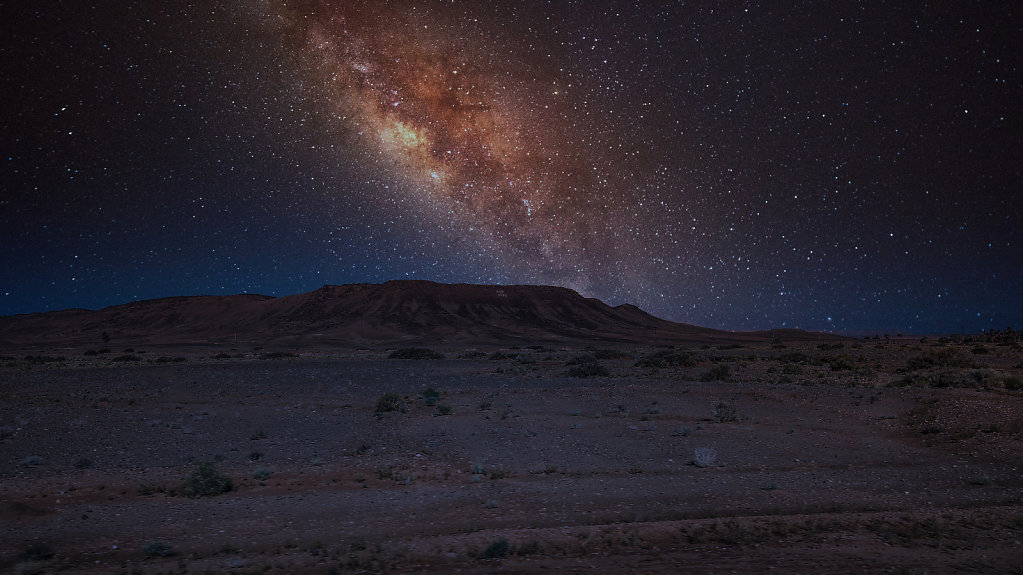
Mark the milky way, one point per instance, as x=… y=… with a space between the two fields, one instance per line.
x=481 y=139
x=735 y=165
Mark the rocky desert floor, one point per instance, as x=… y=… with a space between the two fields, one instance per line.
x=868 y=456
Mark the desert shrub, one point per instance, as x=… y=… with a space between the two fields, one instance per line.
x=793 y=369
x=716 y=373
x=206 y=481
x=581 y=360
x=667 y=358
x=500 y=356
x=473 y=355
x=166 y=359
x=222 y=356
x=941 y=357
x=1013 y=383
x=725 y=411
x=83 y=463
x=980 y=350
x=151 y=489
x=830 y=346
x=91 y=352
x=609 y=354
x=592 y=369
x=41 y=359
x=32 y=461
x=276 y=355
x=794 y=357
x=531 y=547
x=126 y=357
x=949 y=378
x=704 y=456
x=415 y=353
x=498 y=548
x=842 y=362
x=389 y=402
x=6 y=431
x=261 y=474
x=36 y=552
x=430 y=396
x=443 y=409
x=159 y=549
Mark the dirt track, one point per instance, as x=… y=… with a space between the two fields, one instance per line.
x=821 y=469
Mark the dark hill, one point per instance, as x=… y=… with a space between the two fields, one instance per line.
x=396 y=313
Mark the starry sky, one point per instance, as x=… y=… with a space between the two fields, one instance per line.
x=844 y=166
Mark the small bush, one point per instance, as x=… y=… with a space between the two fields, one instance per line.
x=1013 y=383
x=610 y=354
x=430 y=396
x=704 y=456
x=36 y=552
x=127 y=357
x=842 y=362
x=593 y=369
x=443 y=409
x=261 y=474
x=206 y=481
x=667 y=358
x=390 y=402
x=277 y=355
x=497 y=549
x=159 y=549
x=941 y=357
x=415 y=353
x=717 y=373
x=725 y=411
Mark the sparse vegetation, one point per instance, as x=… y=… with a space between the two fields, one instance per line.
x=705 y=456
x=585 y=366
x=430 y=396
x=725 y=411
x=497 y=549
x=718 y=372
x=415 y=353
x=159 y=549
x=945 y=357
x=206 y=481
x=32 y=461
x=593 y=369
x=277 y=355
x=390 y=402
x=667 y=358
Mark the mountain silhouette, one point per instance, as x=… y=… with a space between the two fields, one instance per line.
x=395 y=313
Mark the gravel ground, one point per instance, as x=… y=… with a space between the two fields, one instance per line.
x=515 y=466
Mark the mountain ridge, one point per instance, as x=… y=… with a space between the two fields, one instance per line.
x=394 y=313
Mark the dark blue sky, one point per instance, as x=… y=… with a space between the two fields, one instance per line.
x=739 y=166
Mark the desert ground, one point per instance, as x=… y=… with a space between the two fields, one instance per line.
x=863 y=456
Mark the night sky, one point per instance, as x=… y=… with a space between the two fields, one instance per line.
x=838 y=166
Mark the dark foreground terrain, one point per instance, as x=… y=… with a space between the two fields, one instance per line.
x=855 y=457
